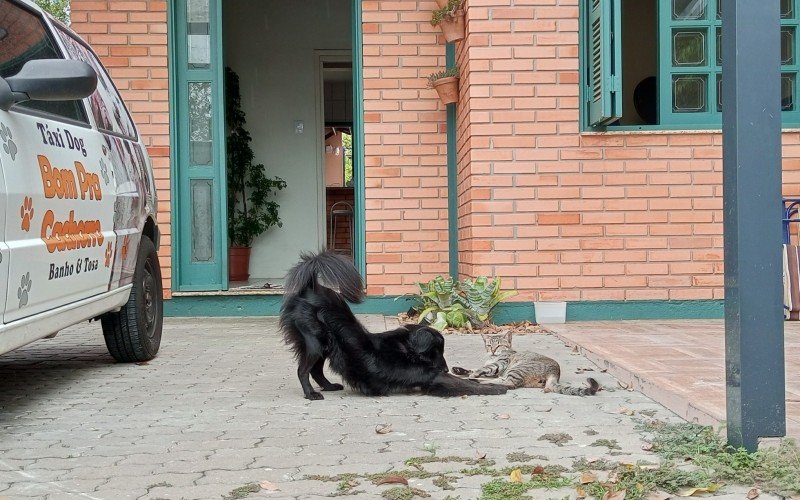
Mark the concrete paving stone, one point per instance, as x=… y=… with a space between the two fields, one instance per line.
x=299 y=460
x=125 y=493
x=151 y=481
x=75 y=488
x=104 y=473
x=221 y=405
x=203 y=492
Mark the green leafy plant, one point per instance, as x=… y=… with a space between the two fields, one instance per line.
x=443 y=302
x=439 y=303
x=250 y=209
x=482 y=295
x=447 y=73
x=448 y=11
x=57 y=8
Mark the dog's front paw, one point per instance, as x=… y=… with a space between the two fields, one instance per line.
x=333 y=387
x=314 y=396
x=457 y=370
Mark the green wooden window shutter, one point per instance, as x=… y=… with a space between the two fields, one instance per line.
x=604 y=61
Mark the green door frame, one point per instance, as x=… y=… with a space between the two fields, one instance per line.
x=180 y=204
x=206 y=270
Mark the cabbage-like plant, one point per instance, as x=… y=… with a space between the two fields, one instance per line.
x=482 y=295
x=442 y=302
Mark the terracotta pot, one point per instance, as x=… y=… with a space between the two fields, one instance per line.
x=238 y=263
x=454 y=27
x=441 y=3
x=447 y=88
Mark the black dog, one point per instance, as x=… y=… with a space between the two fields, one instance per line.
x=318 y=324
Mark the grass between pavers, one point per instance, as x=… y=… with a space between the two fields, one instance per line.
x=687 y=455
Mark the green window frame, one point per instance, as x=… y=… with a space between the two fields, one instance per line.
x=603 y=74
x=690 y=66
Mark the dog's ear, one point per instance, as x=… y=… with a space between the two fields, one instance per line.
x=423 y=340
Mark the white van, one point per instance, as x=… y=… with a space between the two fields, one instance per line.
x=78 y=232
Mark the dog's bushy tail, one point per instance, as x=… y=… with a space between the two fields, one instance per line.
x=328 y=269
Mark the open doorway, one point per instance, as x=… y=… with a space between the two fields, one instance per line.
x=337 y=106
x=295 y=74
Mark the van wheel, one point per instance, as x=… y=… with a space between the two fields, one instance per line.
x=134 y=332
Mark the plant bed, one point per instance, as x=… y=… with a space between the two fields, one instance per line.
x=516 y=328
x=463 y=307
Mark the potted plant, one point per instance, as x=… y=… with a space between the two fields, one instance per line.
x=446 y=84
x=451 y=20
x=250 y=210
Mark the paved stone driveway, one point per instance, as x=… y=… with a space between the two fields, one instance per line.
x=221 y=408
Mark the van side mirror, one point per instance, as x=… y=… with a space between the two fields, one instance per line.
x=48 y=80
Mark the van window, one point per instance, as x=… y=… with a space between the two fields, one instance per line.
x=109 y=113
x=23 y=38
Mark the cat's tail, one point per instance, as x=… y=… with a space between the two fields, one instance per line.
x=552 y=385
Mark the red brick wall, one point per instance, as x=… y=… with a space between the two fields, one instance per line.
x=405 y=147
x=565 y=215
x=130 y=37
x=559 y=214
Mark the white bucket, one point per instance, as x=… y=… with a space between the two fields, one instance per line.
x=550 y=312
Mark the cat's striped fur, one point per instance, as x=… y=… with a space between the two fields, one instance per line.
x=515 y=369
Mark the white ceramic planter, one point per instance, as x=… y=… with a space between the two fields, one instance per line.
x=550 y=312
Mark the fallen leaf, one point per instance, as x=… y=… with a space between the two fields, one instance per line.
x=266 y=485
x=393 y=479
x=588 y=477
x=479 y=455
x=627 y=387
x=647 y=446
x=615 y=495
x=656 y=495
x=383 y=428
x=690 y=492
x=503 y=416
x=581 y=492
x=753 y=493
x=515 y=476
x=626 y=411
x=538 y=470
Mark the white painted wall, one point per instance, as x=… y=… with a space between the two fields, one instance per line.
x=271 y=44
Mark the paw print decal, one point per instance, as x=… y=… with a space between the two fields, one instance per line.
x=125 y=242
x=26 y=213
x=24 y=289
x=9 y=146
x=108 y=254
x=104 y=170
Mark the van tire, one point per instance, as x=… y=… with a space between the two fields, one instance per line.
x=133 y=334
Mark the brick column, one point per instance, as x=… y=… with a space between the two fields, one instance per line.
x=405 y=147
x=130 y=37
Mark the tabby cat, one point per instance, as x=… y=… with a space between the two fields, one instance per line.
x=522 y=369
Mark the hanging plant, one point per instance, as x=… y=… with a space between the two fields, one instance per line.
x=446 y=84
x=451 y=20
